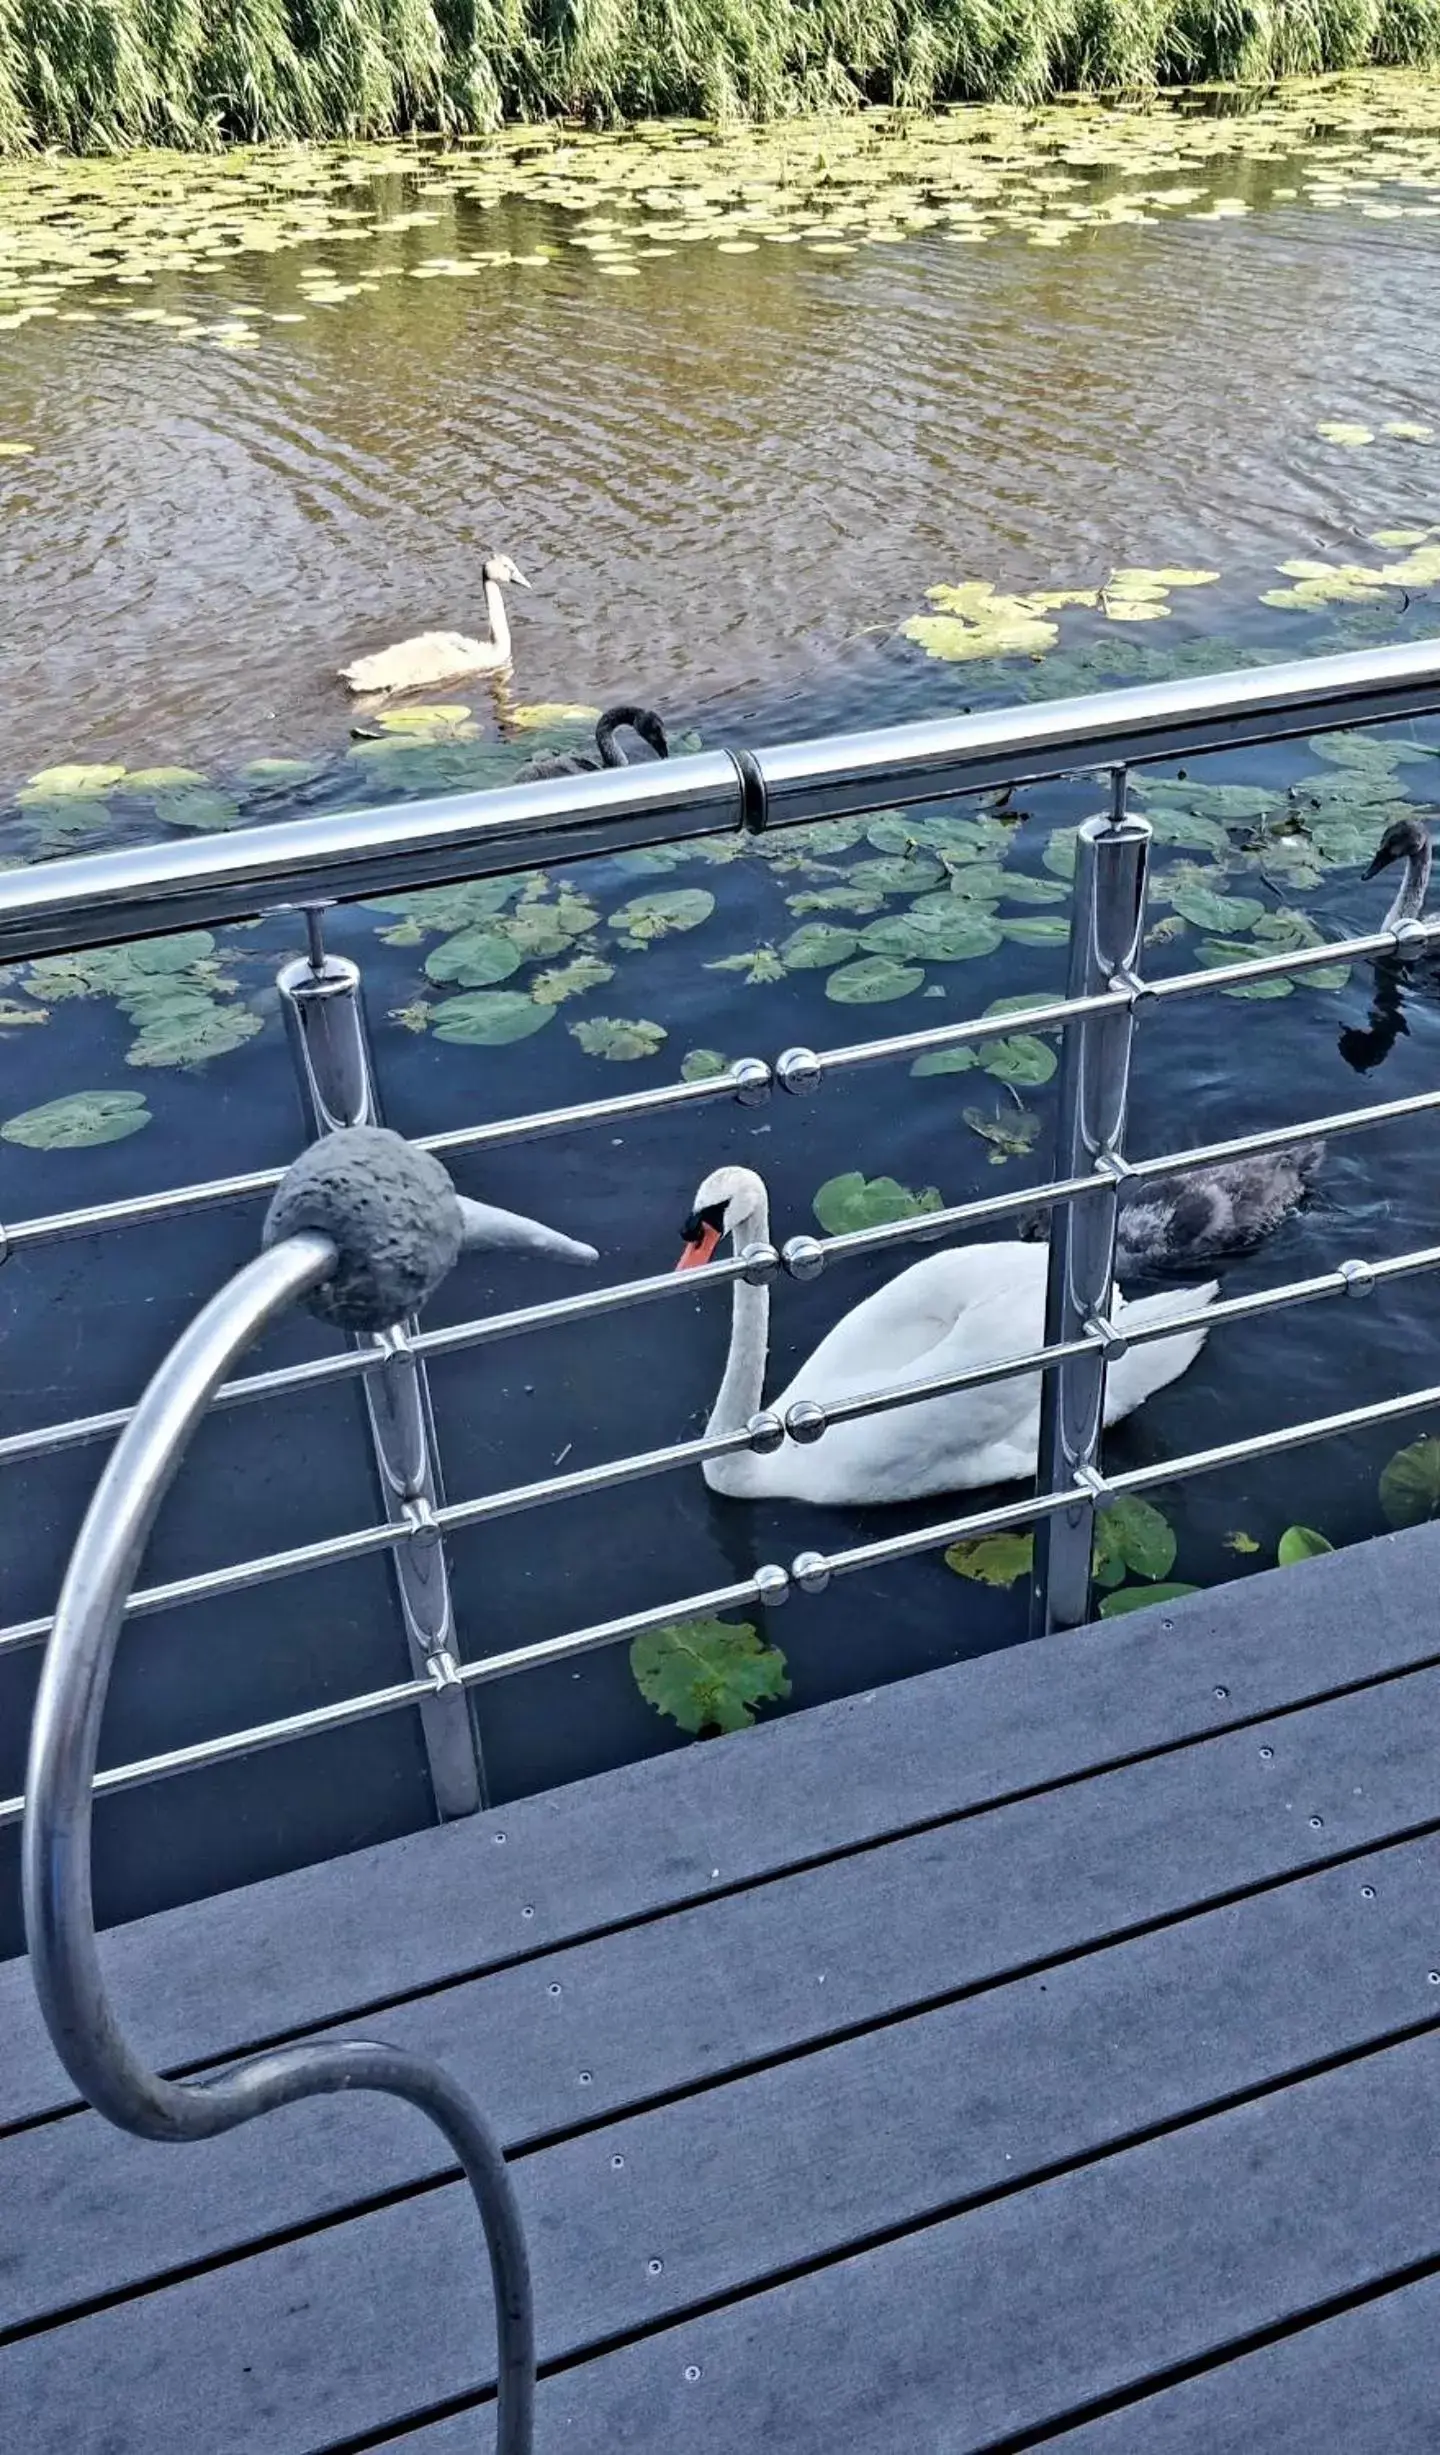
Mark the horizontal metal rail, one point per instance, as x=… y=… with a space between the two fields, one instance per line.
x=748 y=1079
x=97 y=899
x=46 y=1440
x=765 y=1431
x=357 y=855
x=770 y=1586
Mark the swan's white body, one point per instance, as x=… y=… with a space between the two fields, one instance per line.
x=970 y=1306
x=433 y=658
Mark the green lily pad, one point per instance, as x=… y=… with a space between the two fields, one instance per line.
x=145 y=781
x=260 y=771
x=1132 y=1535
x=476 y=959
x=489 y=1018
x=1215 y=954
x=875 y=981
x=1410 y=1484
x=857 y=900
x=757 y=965
x=606 y=1036
x=189 y=1031
x=73 y=783
x=1300 y=1543
x=708 y=1675
x=1010 y=1133
x=944 y=930
x=1037 y=931
x=573 y=979
x=701 y=1065
x=817 y=947
x=993 y=1559
x=844 y=1203
x=1020 y=1059
x=199 y=813
x=540 y=930
x=1139 y=1598
x=959 y=1060
x=1059 y=852
x=1205 y=909
x=79 y=1120
x=649 y=917
x=455 y=908
x=905 y=874
x=1018 y=887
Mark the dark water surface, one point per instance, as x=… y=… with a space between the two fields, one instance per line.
x=731 y=477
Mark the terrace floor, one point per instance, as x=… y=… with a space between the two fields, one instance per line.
x=1040 y=2052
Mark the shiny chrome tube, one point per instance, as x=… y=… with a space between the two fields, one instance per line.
x=56 y=1867
x=1351 y=1278
x=770 y=1586
x=97 y=899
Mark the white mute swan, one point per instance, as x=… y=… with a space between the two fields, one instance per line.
x=607 y=751
x=434 y=657
x=970 y=1306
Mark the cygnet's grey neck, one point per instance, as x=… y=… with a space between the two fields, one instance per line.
x=1410 y=896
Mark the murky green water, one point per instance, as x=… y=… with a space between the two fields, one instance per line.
x=797 y=431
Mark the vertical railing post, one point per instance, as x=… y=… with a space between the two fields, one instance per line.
x=325 y=1021
x=1107 y=927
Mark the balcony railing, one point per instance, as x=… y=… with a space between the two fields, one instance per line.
x=305 y=866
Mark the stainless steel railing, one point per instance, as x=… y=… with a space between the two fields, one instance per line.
x=299 y=867
x=84 y=2025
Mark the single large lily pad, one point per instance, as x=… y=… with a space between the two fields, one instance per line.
x=648 y=917
x=875 y=981
x=844 y=1203
x=476 y=959
x=489 y=1018
x=78 y=1121
x=945 y=930
x=1410 y=1484
x=608 y=1036
x=708 y=1675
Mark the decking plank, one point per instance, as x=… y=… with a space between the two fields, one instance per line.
x=682 y=2002
x=1366 y=2382
x=989 y=2330
x=331 y=1940
x=767 y=2175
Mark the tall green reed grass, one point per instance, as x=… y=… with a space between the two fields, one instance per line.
x=98 y=75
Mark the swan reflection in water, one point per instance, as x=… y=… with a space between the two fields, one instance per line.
x=1366 y=1046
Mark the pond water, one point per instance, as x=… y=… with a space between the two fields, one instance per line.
x=790 y=431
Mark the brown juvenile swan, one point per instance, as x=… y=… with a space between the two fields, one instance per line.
x=435 y=657
x=1202 y=1214
x=607 y=751
x=1407 y=840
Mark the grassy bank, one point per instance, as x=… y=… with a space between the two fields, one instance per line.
x=93 y=75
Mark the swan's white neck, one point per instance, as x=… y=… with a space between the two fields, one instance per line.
x=1409 y=902
x=742 y=1389
x=499 y=619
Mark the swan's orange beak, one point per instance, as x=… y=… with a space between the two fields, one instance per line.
x=694 y=1255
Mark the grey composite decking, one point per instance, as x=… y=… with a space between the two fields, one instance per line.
x=1041 y=2052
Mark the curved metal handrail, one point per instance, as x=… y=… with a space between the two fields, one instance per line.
x=56 y=1868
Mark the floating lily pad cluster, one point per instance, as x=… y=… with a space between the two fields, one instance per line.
x=974 y=620
x=150 y=239
x=1132 y=1539
x=178 y=994
x=77 y=807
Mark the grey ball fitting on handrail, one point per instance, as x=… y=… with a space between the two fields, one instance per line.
x=361 y=1230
